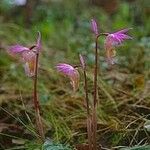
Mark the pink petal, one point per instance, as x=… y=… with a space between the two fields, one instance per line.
x=113 y=40
x=66 y=69
x=17 y=49
x=71 y=72
x=94 y=27
x=124 y=30
x=28 y=56
x=124 y=36
x=117 y=38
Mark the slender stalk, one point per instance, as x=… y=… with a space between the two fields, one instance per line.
x=95 y=71
x=86 y=92
x=94 y=115
x=89 y=131
x=86 y=101
x=36 y=101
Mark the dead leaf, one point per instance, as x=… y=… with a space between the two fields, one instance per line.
x=18 y=141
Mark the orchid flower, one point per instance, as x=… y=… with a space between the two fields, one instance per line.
x=70 y=72
x=27 y=55
x=94 y=27
x=113 y=40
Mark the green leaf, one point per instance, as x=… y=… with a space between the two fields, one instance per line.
x=49 y=145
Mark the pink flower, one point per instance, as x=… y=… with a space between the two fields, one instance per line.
x=70 y=72
x=112 y=40
x=118 y=37
x=94 y=27
x=27 y=55
x=17 y=49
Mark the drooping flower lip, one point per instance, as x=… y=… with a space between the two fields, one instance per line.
x=29 y=68
x=29 y=58
x=70 y=72
x=118 y=37
x=94 y=27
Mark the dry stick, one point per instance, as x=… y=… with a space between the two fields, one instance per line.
x=89 y=132
x=94 y=115
x=36 y=101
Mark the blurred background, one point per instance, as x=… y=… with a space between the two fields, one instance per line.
x=66 y=32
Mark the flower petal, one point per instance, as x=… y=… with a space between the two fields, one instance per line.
x=15 y=49
x=124 y=31
x=94 y=26
x=65 y=69
x=119 y=36
x=28 y=56
x=113 y=40
x=71 y=72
